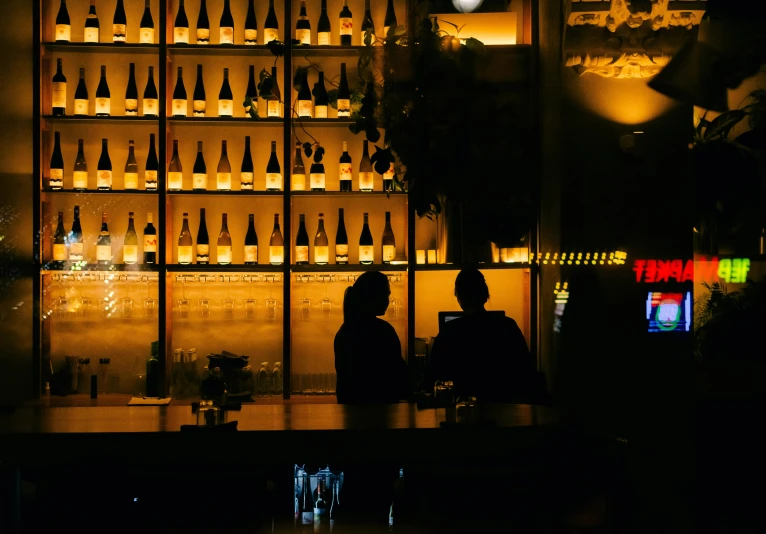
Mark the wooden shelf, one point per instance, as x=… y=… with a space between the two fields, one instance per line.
x=331 y=51
x=114 y=119
x=51 y=268
x=308 y=123
x=121 y=48
x=480 y=266
x=48 y=190
x=349 y=194
x=219 y=50
x=353 y=268
x=229 y=121
x=215 y=193
x=215 y=268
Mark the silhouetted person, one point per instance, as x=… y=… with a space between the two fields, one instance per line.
x=368 y=353
x=485 y=355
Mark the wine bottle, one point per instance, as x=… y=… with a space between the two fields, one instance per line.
x=251 y=25
x=246 y=174
x=185 y=243
x=321 y=100
x=335 y=509
x=397 y=501
x=223 y=173
x=199 y=104
x=306 y=505
x=341 y=240
x=203 y=25
x=344 y=95
x=76 y=246
x=150 y=241
x=388 y=178
x=321 y=507
x=321 y=245
x=226 y=25
x=273 y=104
x=60 y=243
x=273 y=171
x=346 y=25
x=151 y=100
x=80 y=174
x=146 y=28
x=58 y=92
x=181 y=26
x=203 y=242
x=179 y=95
x=302 y=243
x=303 y=26
x=317 y=176
x=271 y=26
x=119 y=24
x=390 y=20
x=251 y=242
x=366 y=255
x=252 y=88
x=131 y=168
x=223 y=248
x=365 y=170
x=345 y=172
x=389 y=243
x=57 y=164
x=199 y=171
x=276 y=244
x=324 y=32
x=367 y=24
x=104 y=243
x=104 y=168
x=131 y=94
x=130 y=245
x=299 y=171
x=175 y=170
x=225 y=97
x=304 y=97
x=103 y=96
x=63 y=27
x=152 y=167
x=81 y=96
x=92 y=29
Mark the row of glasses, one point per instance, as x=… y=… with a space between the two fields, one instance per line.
x=204 y=304
x=85 y=305
x=314 y=384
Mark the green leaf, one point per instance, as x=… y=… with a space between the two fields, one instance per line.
x=277 y=47
x=251 y=107
x=373 y=135
x=307 y=149
x=298 y=77
x=476 y=46
x=318 y=153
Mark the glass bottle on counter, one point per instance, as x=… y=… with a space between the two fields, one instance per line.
x=185 y=243
x=276 y=380
x=264 y=380
x=153 y=372
x=335 y=508
x=306 y=505
x=321 y=506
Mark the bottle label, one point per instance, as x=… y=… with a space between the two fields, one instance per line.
x=130 y=253
x=270 y=34
x=345 y=171
x=103 y=106
x=344 y=107
x=276 y=254
x=131 y=107
x=301 y=254
x=131 y=180
x=199 y=181
x=304 y=108
x=80 y=180
x=303 y=36
x=316 y=180
x=273 y=181
x=390 y=521
x=179 y=108
x=76 y=251
x=104 y=179
x=320 y=112
x=200 y=106
x=203 y=36
x=299 y=182
x=307 y=518
x=223 y=179
x=150 y=243
x=91 y=35
x=120 y=32
x=104 y=253
x=59 y=94
x=251 y=36
x=151 y=106
x=365 y=181
x=389 y=253
x=227 y=35
x=184 y=254
x=80 y=106
x=181 y=35
x=64 y=31
x=323 y=38
x=150 y=179
x=365 y=253
x=59 y=252
x=321 y=254
x=146 y=36
x=203 y=253
x=251 y=253
x=320 y=514
x=246 y=180
x=225 y=108
x=273 y=108
x=341 y=253
x=175 y=181
x=57 y=178
x=224 y=254
x=346 y=26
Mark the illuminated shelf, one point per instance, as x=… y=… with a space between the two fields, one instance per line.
x=351 y=194
x=306 y=122
x=98 y=192
x=480 y=266
x=105 y=120
x=353 y=268
x=219 y=50
x=331 y=51
x=126 y=48
x=215 y=268
x=239 y=121
x=215 y=193
x=95 y=268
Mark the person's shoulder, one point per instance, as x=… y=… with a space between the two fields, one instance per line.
x=383 y=325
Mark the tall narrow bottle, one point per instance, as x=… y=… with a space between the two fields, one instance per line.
x=181 y=25
x=179 y=95
x=130 y=245
x=225 y=97
x=273 y=171
x=199 y=104
x=131 y=168
x=223 y=173
x=150 y=241
x=185 y=243
x=306 y=505
x=298 y=176
x=131 y=94
x=341 y=240
x=63 y=26
x=321 y=244
x=390 y=20
x=304 y=97
x=80 y=175
x=345 y=172
x=146 y=28
x=317 y=176
x=76 y=246
x=335 y=509
x=251 y=25
x=104 y=244
x=273 y=104
x=365 y=170
x=119 y=24
x=227 y=25
x=223 y=248
x=324 y=32
x=151 y=100
x=367 y=24
x=60 y=255
x=252 y=89
x=271 y=26
x=203 y=241
x=344 y=95
x=246 y=174
x=175 y=170
x=303 y=26
x=203 y=25
x=58 y=91
x=81 y=96
x=57 y=165
x=321 y=99
x=276 y=244
x=103 y=96
x=152 y=167
x=251 y=242
x=366 y=252
x=302 y=243
x=104 y=168
x=389 y=243
x=346 y=25
x=92 y=33
x=199 y=172
x=321 y=507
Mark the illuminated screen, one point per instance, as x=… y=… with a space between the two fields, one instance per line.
x=669 y=312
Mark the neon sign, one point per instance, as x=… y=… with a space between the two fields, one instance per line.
x=668 y=312
x=729 y=270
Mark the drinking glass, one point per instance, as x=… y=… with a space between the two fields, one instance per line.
x=304 y=305
x=150 y=304
x=126 y=307
x=183 y=303
x=204 y=303
x=60 y=304
x=86 y=303
x=394 y=305
x=250 y=306
x=271 y=309
x=228 y=309
x=308 y=384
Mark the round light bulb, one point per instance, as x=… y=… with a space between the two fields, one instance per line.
x=467 y=6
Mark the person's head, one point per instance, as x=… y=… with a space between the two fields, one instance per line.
x=368 y=297
x=471 y=290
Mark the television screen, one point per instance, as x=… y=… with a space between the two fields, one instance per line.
x=669 y=311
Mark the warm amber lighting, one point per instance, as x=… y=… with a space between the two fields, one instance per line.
x=489 y=28
x=420 y=257
x=627 y=102
x=432 y=256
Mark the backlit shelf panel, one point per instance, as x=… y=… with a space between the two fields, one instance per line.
x=215 y=268
x=353 y=268
x=480 y=266
x=219 y=50
x=121 y=48
x=349 y=194
x=118 y=119
x=48 y=190
x=229 y=121
x=70 y=268
x=214 y=193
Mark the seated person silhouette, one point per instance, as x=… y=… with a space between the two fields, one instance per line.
x=368 y=353
x=485 y=355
